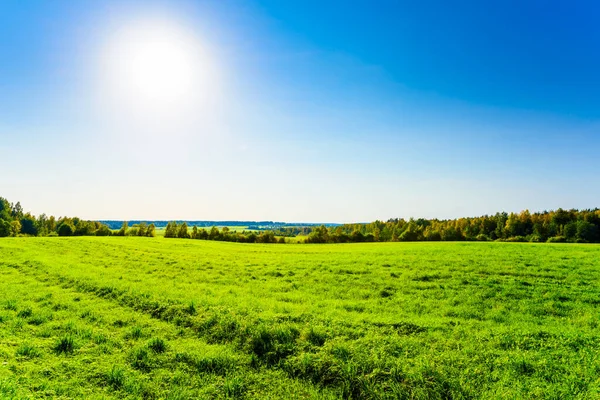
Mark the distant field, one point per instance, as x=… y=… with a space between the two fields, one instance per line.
x=128 y=317
x=160 y=232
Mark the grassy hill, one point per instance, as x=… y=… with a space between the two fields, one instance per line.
x=127 y=317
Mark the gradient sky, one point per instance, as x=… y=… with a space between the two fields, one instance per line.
x=301 y=111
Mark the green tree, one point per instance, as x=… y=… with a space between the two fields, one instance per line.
x=171 y=230
x=587 y=232
x=28 y=225
x=15 y=228
x=570 y=231
x=83 y=228
x=17 y=211
x=151 y=232
x=182 y=233
x=5 y=210
x=214 y=233
x=103 y=230
x=66 y=228
x=142 y=229
x=123 y=230
x=5 y=228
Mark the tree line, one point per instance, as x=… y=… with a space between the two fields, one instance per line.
x=181 y=231
x=574 y=226
x=15 y=222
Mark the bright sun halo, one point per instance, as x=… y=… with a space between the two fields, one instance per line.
x=156 y=67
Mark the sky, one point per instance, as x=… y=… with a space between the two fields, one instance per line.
x=298 y=111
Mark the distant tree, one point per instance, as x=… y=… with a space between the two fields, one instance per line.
x=42 y=225
x=170 y=230
x=214 y=233
x=5 y=228
x=432 y=235
x=412 y=232
x=501 y=219
x=357 y=236
x=151 y=232
x=318 y=235
x=587 y=232
x=570 y=231
x=103 y=230
x=66 y=228
x=514 y=226
x=17 y=211
x=142 y=229
x=83 y=228
x=561 y=217
x=452 y=234
x=15 y=228
x=28 y=225
x=182 y=233
x=195 y=232
x=123 y=230
x=5 y=210
x=51 y=224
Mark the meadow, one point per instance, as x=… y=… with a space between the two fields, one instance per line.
x=136 y=317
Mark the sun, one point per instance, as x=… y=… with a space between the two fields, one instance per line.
x=156 y=67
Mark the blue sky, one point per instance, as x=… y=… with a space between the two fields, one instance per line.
x=300 y=111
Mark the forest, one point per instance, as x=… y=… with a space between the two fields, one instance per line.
x=560 y=226
x=549 y=226
x=573 y=226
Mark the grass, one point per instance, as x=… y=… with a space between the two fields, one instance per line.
x=154 y=318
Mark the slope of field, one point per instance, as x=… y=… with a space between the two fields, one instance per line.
x=154 y=318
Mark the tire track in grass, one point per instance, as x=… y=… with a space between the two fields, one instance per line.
x=278 y=348
x=174 y=347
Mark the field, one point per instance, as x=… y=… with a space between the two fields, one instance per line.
x=128 y=317
x=160 y=232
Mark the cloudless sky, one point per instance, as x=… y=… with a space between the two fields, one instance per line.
x=314 y=111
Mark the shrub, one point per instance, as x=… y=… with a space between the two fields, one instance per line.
x=535 y=238
x=557 y=239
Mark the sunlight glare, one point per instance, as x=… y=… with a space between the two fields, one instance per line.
x=157 y=69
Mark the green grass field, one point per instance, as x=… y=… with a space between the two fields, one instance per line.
x=116 y=317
